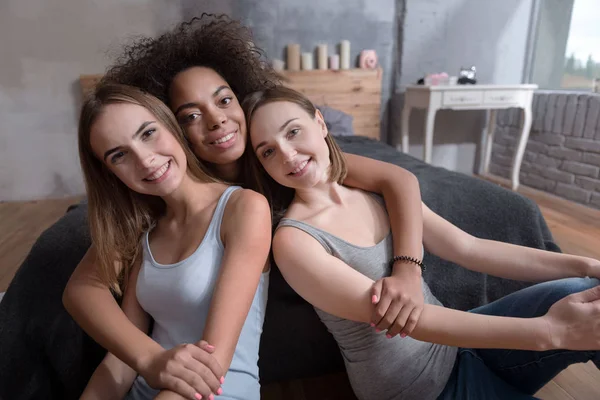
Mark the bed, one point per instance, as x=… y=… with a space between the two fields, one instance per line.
x=44 y=351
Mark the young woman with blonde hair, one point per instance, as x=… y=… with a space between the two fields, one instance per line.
x=188 y=250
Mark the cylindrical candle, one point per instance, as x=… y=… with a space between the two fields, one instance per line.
x=334 y=62
x=345 y=54
x=322 y=56
x=307 y=61
x=293 y=57
x=278 y=65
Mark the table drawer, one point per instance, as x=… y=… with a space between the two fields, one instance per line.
x=458 y=97
x=502 y=96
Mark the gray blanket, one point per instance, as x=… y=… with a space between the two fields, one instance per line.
x=44 y=354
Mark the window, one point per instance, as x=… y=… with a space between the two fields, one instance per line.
x=582 y=58
x=566 y=44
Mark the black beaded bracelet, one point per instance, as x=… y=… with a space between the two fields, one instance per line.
x=409 y=260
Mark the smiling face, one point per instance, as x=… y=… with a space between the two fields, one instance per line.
x=290 y=144
x=210 y=114
x=138 y=149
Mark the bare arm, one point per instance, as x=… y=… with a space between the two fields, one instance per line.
x=113 y=378
x=497 y=258
x=93 y=307
x=332 y=286
x=246 y=230
x=402 y=195
x=398 y=298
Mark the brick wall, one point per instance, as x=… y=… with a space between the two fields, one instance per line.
x=562 y=156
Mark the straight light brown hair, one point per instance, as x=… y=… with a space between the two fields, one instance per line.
x=119 y=216
x=256 y=177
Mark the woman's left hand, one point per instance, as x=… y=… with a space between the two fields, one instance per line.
x=398 y=301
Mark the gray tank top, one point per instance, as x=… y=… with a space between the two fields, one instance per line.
x=178 y=297
x=380 y=368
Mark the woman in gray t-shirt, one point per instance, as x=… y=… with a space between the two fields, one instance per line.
x=334 y=242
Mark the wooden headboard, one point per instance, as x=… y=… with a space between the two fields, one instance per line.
x=355 y=91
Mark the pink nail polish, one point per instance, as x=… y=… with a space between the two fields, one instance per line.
x=222 y=380
x=372 y=325
x=220 y=391
x=403 y=335
x=211 y=397
x=198 y=396
x=374 y=299
x=388 y=336
x=377 y=330
x=210 y=347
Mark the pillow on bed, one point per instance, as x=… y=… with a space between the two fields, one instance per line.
x=338 y=122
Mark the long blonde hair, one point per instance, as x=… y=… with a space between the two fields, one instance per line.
x=118 y=216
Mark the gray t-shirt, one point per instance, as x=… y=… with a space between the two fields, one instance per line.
x=380 y=368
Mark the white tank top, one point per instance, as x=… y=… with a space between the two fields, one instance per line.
x=178 y=297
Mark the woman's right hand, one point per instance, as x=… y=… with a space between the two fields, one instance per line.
x=574 y=321
x=187 y=370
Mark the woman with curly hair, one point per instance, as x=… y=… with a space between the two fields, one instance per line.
x=201 y=70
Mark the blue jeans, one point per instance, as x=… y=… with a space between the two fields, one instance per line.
x=516 y=374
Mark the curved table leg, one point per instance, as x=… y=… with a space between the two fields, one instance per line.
x=518 y=157
x=428 y=141
x=489 y=142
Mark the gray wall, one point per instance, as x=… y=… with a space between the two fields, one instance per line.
x=367 y=24
x=443 y=35
x=47 y=44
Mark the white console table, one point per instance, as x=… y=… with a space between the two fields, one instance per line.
x=470 y=97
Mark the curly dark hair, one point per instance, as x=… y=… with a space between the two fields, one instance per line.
x=213 y=41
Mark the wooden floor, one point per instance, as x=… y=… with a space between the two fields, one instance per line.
x=576 y=228
x=20 y=225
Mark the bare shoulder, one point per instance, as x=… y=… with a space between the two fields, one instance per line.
x=289 y=241
x=243 y=201
x=247 y=196
x=246 y=212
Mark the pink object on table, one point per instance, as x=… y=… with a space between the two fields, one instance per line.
x=368 y=59
x=437 y=79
